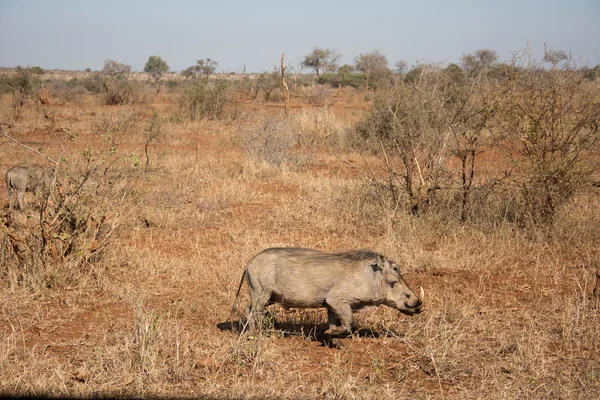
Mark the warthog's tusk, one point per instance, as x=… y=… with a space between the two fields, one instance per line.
x=422 y=293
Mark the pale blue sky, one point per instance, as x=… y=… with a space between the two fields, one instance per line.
x=81 y=34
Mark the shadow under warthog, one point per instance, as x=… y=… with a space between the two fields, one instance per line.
x=311 y=331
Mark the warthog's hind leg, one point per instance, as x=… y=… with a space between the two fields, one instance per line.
x=20 y=196
x=257 y=304
x=10 y=196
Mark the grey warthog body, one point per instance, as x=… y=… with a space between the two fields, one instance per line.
x=26 y=179
x=341 y=282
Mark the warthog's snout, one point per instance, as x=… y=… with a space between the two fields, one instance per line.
x=412 y=307
x=413 y=303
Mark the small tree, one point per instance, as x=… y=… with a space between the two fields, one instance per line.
x=401 y=67
x=325 y=60
x=190 y=72
x=370 y=63
x=115 y=69
x=207 y=67
x=116 y=89
x=25 y=82
x=268 y=81
x=554 y=56
x=157 y=67
x=204 y=67
x=478 y=60
x=296 y=71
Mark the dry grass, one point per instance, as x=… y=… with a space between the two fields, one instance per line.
x=509 y=312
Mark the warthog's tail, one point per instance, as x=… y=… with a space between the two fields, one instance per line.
x=237 y=294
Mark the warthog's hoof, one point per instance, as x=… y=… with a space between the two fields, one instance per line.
x=335 y=343
x=335 y=332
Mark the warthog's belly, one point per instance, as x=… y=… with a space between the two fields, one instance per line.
x=295 y=300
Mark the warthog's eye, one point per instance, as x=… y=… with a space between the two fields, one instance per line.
x=395 y=268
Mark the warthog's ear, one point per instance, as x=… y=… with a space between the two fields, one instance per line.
x=380 y=264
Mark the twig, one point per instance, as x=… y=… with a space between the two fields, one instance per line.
x=437 y=374
x=27 y=147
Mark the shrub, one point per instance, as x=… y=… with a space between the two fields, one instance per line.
x=316 y=95
x=551 y=120
x=319 y=126
x=272 y=141
x=269 y=82
x=417 y=129
x=93 y=83
x=64 y=242
x=343 y=79
x=204 y=100
x=118 y=92
x=24 y=83
x=73 y=95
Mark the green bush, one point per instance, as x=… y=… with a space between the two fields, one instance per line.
x=24 y=80
x=93 y=84
x=343 y=79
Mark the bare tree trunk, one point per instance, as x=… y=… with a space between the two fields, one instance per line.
x=286 y=90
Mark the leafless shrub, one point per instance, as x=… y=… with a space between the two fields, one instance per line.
x=268 y=83
x=72 y=95
x=317 y=95
x=551 y=120
x=410 y=139
x=18 y=100
x=431 y=134
x=115 y=125
x=272 y=141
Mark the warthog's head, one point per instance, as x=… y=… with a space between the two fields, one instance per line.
x=398 y=294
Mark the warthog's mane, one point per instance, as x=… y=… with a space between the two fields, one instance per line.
x=350 y=255
x=355 y=255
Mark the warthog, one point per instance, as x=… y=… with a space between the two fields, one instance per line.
x=341 y=282
x=26 y=179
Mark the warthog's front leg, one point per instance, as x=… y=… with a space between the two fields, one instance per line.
x=340 y=318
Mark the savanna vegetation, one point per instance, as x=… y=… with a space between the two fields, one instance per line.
x=481 y=180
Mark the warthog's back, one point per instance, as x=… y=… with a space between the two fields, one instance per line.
x=25 y=178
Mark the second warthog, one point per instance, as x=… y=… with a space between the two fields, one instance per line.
x=341 y=282
x=26 y=179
